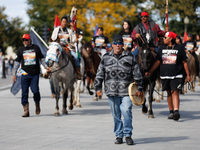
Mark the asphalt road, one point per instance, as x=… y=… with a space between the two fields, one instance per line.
x=91 y=127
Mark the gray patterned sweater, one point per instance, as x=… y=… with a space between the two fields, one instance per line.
x=118 y=73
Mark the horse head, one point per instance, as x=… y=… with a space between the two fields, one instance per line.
x=53 y=53
x=89 y=49
x=145 y=58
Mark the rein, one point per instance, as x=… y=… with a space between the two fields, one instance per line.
x=61 y=67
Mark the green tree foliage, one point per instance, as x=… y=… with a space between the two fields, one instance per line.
x=10 y=31
x=181 y=8
x=43 y=11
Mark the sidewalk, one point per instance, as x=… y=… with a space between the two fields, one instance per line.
x=6 y=83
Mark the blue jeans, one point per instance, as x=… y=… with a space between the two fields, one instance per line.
x=76 y=58
x=121 y=106
x=51 y=86
x=136 y=51
x=31 y=81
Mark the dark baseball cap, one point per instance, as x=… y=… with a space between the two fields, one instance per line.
x=118 y=38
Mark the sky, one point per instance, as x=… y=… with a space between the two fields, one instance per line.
x=15 y=8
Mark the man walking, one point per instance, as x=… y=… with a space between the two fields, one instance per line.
x=117 y=69
x=29 y=56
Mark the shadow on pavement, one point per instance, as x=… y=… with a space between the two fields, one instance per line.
x=159 y=139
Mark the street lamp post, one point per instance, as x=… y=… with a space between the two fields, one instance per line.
x=186 y=21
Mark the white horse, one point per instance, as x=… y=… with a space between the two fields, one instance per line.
x=63 y=73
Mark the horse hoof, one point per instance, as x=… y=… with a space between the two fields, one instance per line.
x=71 y=107
x=157 y=100
x=151 y=116
x=91 y=93
x=144 y=110
x=154 y=99
x=65 y=111
x=56 y=114
x=95 y=99
x=79 y=106
x=192 y=90
x=74 y=103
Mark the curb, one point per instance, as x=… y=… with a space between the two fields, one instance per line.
x=5 y=87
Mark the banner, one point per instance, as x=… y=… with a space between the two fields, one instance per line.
x=95 y=31
x=57 y=22
x=37 y=42
x=185 y=37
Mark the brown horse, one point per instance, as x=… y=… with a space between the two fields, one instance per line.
x=192 y=67
x=91 y=66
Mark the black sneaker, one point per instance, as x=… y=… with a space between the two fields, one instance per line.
x=176 y=116
x=118 y=140
x=129 y=141
x=171 y=116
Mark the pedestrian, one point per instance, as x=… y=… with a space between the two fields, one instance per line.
x=198 y=41
x=100 y=42
x=6 y=65
x=11 y=62
x=149 y=32
x=171 y=58
x=117 y=69
x=28 y=56
x=126 y=35
x=1 y=62
x=191 y=47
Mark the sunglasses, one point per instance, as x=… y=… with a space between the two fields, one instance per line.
x=166 y=37
x=115 y=43
x=144 y=16
x=24 y=40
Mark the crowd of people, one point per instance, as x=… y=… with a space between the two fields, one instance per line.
x=118 y=67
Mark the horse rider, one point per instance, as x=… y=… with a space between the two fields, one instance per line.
x=79 y=35
x=28 y=56
x=190 y=45
x=100 y=42
x=117 y=69
x=126 y=35
x=147 y=31
x=67 y=40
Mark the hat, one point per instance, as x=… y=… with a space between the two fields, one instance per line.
x=171 y=35
x=26 y=36
x=144 y=14
x=190 y=35
x=118 y=38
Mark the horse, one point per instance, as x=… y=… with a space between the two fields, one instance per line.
x=78 y=84
x=146 y=59
x=91 y=66
x=192 y=67
x=63 y=73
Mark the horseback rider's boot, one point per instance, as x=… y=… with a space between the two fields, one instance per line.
x=37 y=109
x=26 y=110
x=78 y=73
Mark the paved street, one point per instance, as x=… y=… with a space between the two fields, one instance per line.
x=91 y=127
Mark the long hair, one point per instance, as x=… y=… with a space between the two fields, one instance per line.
x=129 y=24
x=178 y=37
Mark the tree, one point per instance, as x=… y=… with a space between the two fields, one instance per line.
x=43 y=11
x=178 y=9
x=109 y=15
x=10 y=31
